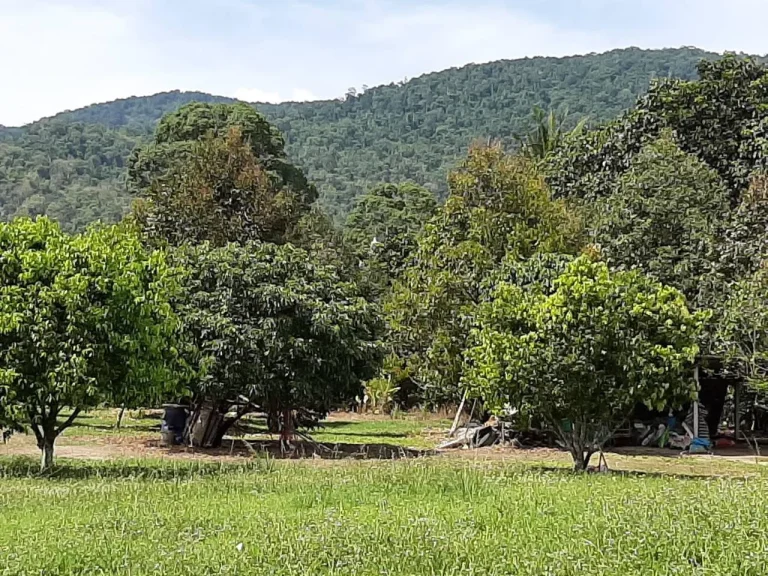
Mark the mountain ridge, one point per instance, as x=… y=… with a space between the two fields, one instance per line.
x=72 y=165
x=79 y=114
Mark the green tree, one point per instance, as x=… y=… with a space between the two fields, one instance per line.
x=548 y=131
x=319 y=235
x=411 y=131
x=664 y=218
x=721 y=118
x=584 y=353
x=83 y=320
x=273 y=330
x=384 y=225
x=178 y=131
x=743 y=329
x=744 y=247
x=219 y=193
x=499 y=207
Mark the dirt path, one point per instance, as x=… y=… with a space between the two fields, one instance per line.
x=644 y=460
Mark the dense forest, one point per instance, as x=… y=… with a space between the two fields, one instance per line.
x=73 y=166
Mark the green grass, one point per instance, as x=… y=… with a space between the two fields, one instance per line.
x=407 y=517
x=410 y=430
x=102 y=423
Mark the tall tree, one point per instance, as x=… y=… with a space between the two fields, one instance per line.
x=499 y=206
x=721 y=118
x=742 y=316
x=664 y=217
x=178 y=131
x=744 y=247
x=742 y=330
x=218 y=172
x=218 y=192
x=83 y=320
x=549 y=130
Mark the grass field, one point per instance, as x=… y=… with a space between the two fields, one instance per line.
x=470 y=512
x=405 y=517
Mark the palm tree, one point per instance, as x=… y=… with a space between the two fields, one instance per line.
x=548 y=133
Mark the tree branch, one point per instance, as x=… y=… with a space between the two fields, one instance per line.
x=68 y=422
x=227 y=423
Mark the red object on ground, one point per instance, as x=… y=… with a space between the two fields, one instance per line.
x=724 y=443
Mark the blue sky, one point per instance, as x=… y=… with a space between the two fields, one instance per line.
x=58 y=55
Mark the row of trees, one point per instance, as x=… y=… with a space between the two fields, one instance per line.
x=582 y=277
x=570 y=282
x=198 y=294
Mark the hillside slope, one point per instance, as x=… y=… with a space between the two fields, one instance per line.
x=71 y=166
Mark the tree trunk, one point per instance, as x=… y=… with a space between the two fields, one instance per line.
x=221 y=429
x=189 y=428
x=286 y=433
x=218 y=437
x=273 y=421
x=120 y=417
x=581 y=458
x=226 y=424
x=456 y=418
x=46 y=459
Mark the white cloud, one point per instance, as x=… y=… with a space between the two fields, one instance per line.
x=434 y=37
x=59 y=56
x=302 y=95
x=63 y=54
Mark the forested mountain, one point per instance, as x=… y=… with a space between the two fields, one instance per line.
x=72 y=166
x=137 y=114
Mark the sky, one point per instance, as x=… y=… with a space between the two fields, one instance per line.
x=61 y=55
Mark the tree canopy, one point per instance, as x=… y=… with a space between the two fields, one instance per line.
x=83 y=320
x=499 y=207
x=583 y=351
x=217 y=191
x=664 y=217
x=384 y=226
x=273 y=329
x=720 y=118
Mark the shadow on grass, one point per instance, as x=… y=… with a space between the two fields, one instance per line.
x=149 y=415
x=642 y=474
x=307 y=449
x=365 y=434
x=65 y=469
x=336 y=424
x=124 y=428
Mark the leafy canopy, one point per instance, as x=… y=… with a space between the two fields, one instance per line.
x=663 y=217
x=499 y=207
x=721 y=118
x=84 y=319
x=178 y=131
x=581 y=352
x=218 y=172
x=272 y=325
x=73 y=167
x=384 y=226
x=218 y=192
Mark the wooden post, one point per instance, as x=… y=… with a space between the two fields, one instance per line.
x=458 y=415
x=696 y=403
x=737 y=410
